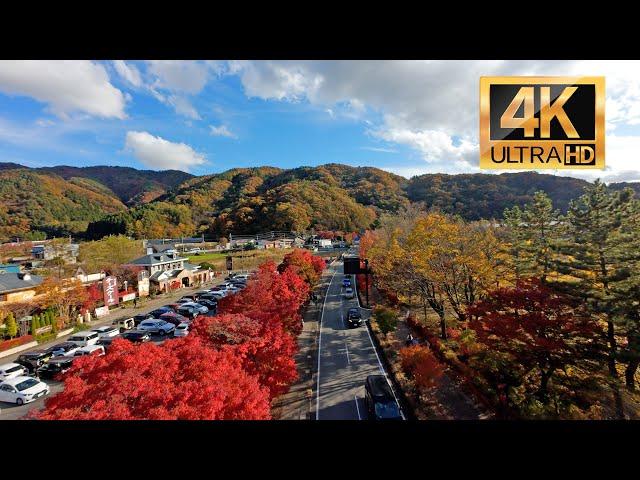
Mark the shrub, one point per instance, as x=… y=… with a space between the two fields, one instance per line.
x=16 y=342
x=46 y=337
x=419 y=363
x=386 y=319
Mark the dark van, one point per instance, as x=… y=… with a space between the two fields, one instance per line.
x=379 y=399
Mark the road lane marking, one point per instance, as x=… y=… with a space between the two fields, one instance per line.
x=357 y=408
x=346 y=349
x=320 y=346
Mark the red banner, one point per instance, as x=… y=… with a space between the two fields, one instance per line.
x=110 y=288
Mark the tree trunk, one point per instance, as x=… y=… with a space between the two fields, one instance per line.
x=443 y=326
x=544 y=383
x=630 y=373
x=611 y=338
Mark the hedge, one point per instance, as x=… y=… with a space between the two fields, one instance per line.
x=16 y=342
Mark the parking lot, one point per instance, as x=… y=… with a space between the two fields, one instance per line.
x=10 y=411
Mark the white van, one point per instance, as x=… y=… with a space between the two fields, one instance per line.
x=84 y=339
x=90 y=350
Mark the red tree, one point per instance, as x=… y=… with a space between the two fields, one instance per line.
x=181 y=379
x=270 y=295
x=422 y=365
x=306 y=265
x=265 y=348
x=538 y=328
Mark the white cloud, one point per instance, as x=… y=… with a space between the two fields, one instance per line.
x=183 y=106
x=222 y=131
x=183 y=76
x=128 y=72
x=161 y=154
x=73 y=86
x=379 y=149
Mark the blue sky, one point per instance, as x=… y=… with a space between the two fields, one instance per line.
x=204 y=117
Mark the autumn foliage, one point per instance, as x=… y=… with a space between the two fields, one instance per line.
x=420 y=364
x=303 y=263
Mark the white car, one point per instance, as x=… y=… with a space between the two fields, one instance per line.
x=21 y=390
x=84 y=339
x=195 y=251
x=90 y=350
x=199 y=308
x=220 y=293
x=106 y=331
x=182 y=330
x=348 y=292
x=156 y=326
x=11 y=370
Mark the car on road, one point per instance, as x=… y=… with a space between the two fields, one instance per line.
x=181 y=330
x=84 y=338
x=12 y=370
x=199 y=308
x=174 y=318
x=64 y=348
x=136 y=336
x=346 y=282
x=354 y=317
x=34 y=359
x=159 y=327
x=348 y=293
x=159 y=311
x=141 y=317
x=97 y=350
x=124 y=324
x=379 y=399
x=21 y=390
x=55 y=366
x=106 y=331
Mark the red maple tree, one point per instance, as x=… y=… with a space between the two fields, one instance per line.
x=308 y=266
x=536 y=327
x=181 y=379
x=265 y=348
x=421 y=365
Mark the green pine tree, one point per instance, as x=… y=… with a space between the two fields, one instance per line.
x=54 y=323
x=12 y=326
x=35 y=324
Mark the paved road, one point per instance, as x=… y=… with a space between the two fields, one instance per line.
x=346 y=356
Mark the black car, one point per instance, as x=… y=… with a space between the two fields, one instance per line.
x=136 y=336
x=33 y=360
x=61 y=348
x=141 y=317
x=354 y=317
x=212 y=306
x=188 y=312
x=159 y=311
x=55 y=366
x=379 y=399
x=106 y=342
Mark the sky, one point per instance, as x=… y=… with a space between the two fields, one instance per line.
x=406 y=117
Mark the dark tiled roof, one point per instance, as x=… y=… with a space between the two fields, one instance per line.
x=10 y=282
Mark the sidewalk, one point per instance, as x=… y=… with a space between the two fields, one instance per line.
x=297 y=403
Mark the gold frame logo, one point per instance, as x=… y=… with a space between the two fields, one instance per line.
x=542 y=123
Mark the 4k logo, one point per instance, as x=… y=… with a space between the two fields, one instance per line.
x=542 y=122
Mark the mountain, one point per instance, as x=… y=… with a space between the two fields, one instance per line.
x=131 y=186
x=145 y=204
x=33 y=204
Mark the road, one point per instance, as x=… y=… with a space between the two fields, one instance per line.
x=346 y=356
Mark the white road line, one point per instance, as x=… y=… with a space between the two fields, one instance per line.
x=383 y=371
x=346 y=349
x=320 y=346
x=355 y=397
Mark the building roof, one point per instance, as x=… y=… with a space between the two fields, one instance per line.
x=13 y=282
x=157 y=259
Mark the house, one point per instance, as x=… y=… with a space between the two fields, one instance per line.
x=10 y=267
x=17 y=287
x=169 y=271
x=48 y=251
x=89 y=278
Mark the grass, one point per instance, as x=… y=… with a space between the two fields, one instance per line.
x=206 y=257
x=241 y=260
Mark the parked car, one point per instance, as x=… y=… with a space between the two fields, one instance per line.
x=21 y=390
x=207 y=296
x=181 y=330
x=348 y=293
x=12 y=370
x=354 y=317
x=174 y=318
x=64 y=348
x=243 y=276
x=107 y=341
x=171 y=251
x=199 y=294
x=189 y=298
x=195 y=251
x=124 y=324
x=159 y=327
x=159 y=311
x=212 y=305
x=33 y=360
x=136 y=336
x=55 y=366
x=199 y=308
x=218 y=294
x=141 y=317
x=84 y=338
x=106 y=331
x=379 y=399
x=97 y=350
x=188 y=312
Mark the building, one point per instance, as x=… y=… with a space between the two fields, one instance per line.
x=169 y=271
x=47 y=251
x=10 y=267
x=86 y=278
x=17 y=287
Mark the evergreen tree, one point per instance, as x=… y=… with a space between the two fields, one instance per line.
x=35 y=324
x=12 y=326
